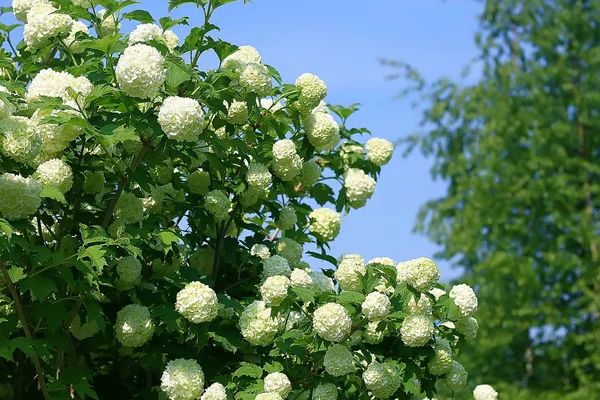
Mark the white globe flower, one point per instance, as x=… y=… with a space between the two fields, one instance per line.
x=21 y=140
x=73 y=91
x=258 y=176
x=55 y=173
x=181 y=118
x=325 y=223
x=359 y=187
x=465 y=299
x=468 y=327
x=19 y=197
x=143 y=33
x=423 y=306
x=274 y=290
x=437 y=293
x=6 y=108
x=140 y=73
x=277 y=382
x=290 y=250
x=456 y=376
x=485 y=392
x=256 y=324
x=182 y=380
x=22 y=7
x=325 y=391
x=321 y=282
x=348 y=270
x=44 y=23
x=237 y=112
x=379 y=151
x=216 y=391
x=197 y=303
x=170 y=39
x=109 y=25
x=268 y=396
x=383 y=380
x=301 y=278
x=287 y=164
x=275 y=265
x=71 y=40
x=260 y=251
x=217 y=203
x=373 y=334
x=287 y=218
x=322 y=131
x=129 y=270
x=442 y=360
x=311 y=172
x=312 y=91
x=376 y=306
x=134 y=327
x=421 y=273
x=242 y=56
x=417 y=330
x=338 y=360
x=255 y=78
x=332 y=322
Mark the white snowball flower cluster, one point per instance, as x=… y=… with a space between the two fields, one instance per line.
x=338 y=360
x=423 y=306
x=325 y=391
x=275 y=265
x=181 y=118
x=359 y=187
x=6 y=108
x=216 y=391
x=417 y=330
x=199 y=182
x=130 y=208
x=134 y=327
x=468 y=327
x=260 y=251
x=485 y=392
x=322 y=131
x=83 y=331
x=286 y=161
x=197 y=302
x=146 y=32
x=19 y=197
x=129 y=270
x=182 y=379
x=51 y=83
x=55 y=138
x=258 y=176
x=110 y=25
x=325 y=223
x=322 y=282
x=379 y=151
x=22 y=7
x=442 y=360
x=242 y=56
x=287 y=218
x=140 y=71
x=382 y=380
x=421 y=273
x=312 y=91
x=277 y=382
x=332 y=322
x=456 y=376
x=21 y=140
x=217 y=203
x=55 y=173
x=44 y=23
x=348 y=270
x=300 y=278
x=376 y=306
x=437 y=293
x=311 y=172
x=274 y=290
x=268 y=396
x=465 y=299
x=373 y=334
x=71 y=40
x=256 y=324
x=255 y=78
x=290 y=250
x=237 y=112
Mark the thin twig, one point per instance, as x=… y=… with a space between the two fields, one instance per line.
x=28 y=334
x=274 y=236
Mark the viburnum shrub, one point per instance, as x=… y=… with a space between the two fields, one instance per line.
x=155 y=216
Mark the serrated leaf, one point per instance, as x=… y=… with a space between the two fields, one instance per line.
x=16 y=274
x=351 y=297
x=176 y=3
x=52 y=192
x=139 y=15
x=95 y=254
x=40 y=287
x=306 y=295
x=247 y=369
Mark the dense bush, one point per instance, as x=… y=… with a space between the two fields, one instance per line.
x=155 y=218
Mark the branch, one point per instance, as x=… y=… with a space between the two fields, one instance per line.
x=28 y=334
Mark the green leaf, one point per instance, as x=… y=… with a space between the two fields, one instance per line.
x=139 y=15
x=176 y=76
x=39 y=286
x=306 y=295
x=273 y=367
x=351 y=297
x=52 y=192
x=167 y=238
x=95 y=254
x=219 y=3
x=168 y=22
x=248 y=369
x=176 y=3
x=16 y=274
x=6 y=228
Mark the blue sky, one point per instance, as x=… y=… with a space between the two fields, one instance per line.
x=342 y=41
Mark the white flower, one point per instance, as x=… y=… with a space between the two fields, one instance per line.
x=301 y=278
x=181 y=118
x=348 y=270
x=382 y=380
x=242 y=56
x=20 y=140
x=442 y=360
x=182 y=380
x=312 y=91
x=258 y=176
x=325 y=391
x=423 y=306
x=260 y=251
x=421 y=273
x=277 y=382
x=237 y=112
x=290 y=250
x=325 y=223
x=197 y=302
x=485 y=392
x=359 y=187
x=274 y=290
x=311 y=172
x=255 y=79
x=275 y=265
x=55 y=173
x=217 y=203
x=51 y=83
x=383 y=261
x=144 y=33
x=379 y=151
x=417 y=330
x=268 y=396
x=140 y=72
x=71 y=40
x=456 y=376
x=372 y=334
x=129 y=208
x=286 y=161
x=170 y=39
x=376 y=306
x=437 y=293
x=22 y=7
x=269 y=104
x=465 y=299
x=129 y=270
x=44 y=23
x=109 y=25
x=321 y=282
x=256 y=324
x=216 y=391
x=19 y=197
x=134 y=326
x=468 y=327
x=338 y=360
x=332 y=322
x=322 y=131
x=6 y=108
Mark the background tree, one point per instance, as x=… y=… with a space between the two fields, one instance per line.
x=519 y=150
